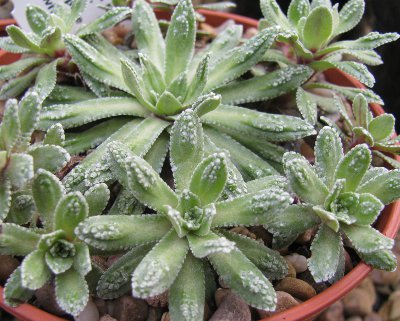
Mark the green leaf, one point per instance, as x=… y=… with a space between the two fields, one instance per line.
x=240 y=59
x=97 y=198
x=82 y=262
x=55 y=135
x=251 y=123
x=325 y=254
x=382 y=260
x=14 y=69
x=357 y=70
x=368 y=57
x=365 y=239
x=297 y=10
x=199 y=81
x=10 y=240
x=20 y=169
x=63 y=94
x=70 y=211
x=49 y=157
x=58 y=264
x=47 y=191
x=361 y=111
x=38 y=18
x=296 y=220
x=245 y=279
x=328 y=153
x=187 y=293
x=168 y=104
x=384 y=186
x=17 y=86
x=121 y=232
x=318 y=3
x=350 y=15
x=270 y=262
x=152 y=76
x=22 y=208
x=209 y=178
x=105 y=21
x=274 y=15
x=51 y=40
x=22 y=39
x=327 y=217
x=10 y=127
x=160 y=267
x=5 y=198
x=307 y=107
x=29 y=110
x=147 y=33
x=382 y=127
x=251 y=209
x=7 y=44
x=34 y=271
x=186 y=147
x=206 y=104
x=80 y=113
x=318 y=28
x=353 y=166
x=276 y=181
x=14 y=292
x=179 y=41
x=265 y=87
x=203 y=246
x=46 y=80
x=116 y=280
x=391 y=161
x=303 y=180
x=72 y=293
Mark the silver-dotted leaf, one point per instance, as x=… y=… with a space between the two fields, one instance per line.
x=49 y=157
x=11 y=70
x=199 y=81
x=325 y=254
x=17 y=86
x=274 y=15
x=55 y=135
x=5 y=198
x=256 y=208
x=365 y=239
x=22 y=208
x=10 y=240
x=20 y=169
x=47 y=190
x=152 y=76
x=307 y=107
x=384 y=186
x=270 y=262
x=29 y=110
x=187 y=293
x=179 y=41
x=206 y=104
x=63 y=94
x=147 y=33
x=38 y=18
x=34 y=270
x=97 y=198
x=82 y=262
x=77 y=8
x=328 y=153
x=328 y=218
x=318 y=28
x=23 y=39
x=244 y=278
x=121 y=232
x=203 y=246
x=14 y=292
x=353 y=166
x=209 y=178
x=116 y=280
x=7 y=44
x=72 y=292
x=168 y=104
x=382 y=260
x=10 y=126
x=46 y=80
x=276 y=181
x=70 y=211
x=126 y=204
x=350 y=15
x=382 y=127
x=297 y=10
x=160 y=267
x=303 y=180
x=186 y=147
x=58 y=264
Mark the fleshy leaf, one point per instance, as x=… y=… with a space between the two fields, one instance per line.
x=34 y=271
x=382 y=260
x=97 y=198
x=382 y=127
x=22 y=208
x=46 y=80
x=5 y=198
x=49 y=157
x=14 y=69
x=82 y=262
x=38 y=18
x=55 y=135
x=297 y=10
x=350 y=15
x=14 y=292
x=10 y=126
x=203 y=246
x=20 y=169
x=318 y=28
x=273 y=14
x=58 y=264
x=11 y=236
x=307 y=107
x=160 y=267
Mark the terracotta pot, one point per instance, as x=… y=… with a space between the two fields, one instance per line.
x=6 y=22
x=388 y=222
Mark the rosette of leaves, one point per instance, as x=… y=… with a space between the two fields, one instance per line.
x=52 y=251
x=311 y=30
x=44 y=46
x=168 y=249
x=377 y=132
x=168 y=79
x=19 y=159
x=342 y=195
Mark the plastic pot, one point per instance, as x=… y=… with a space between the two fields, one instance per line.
x=388 y=222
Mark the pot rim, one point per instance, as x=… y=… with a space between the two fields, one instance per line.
x=388 y=223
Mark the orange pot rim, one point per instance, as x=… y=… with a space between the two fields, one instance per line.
x=388 y=222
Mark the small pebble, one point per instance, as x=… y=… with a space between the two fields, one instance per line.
x=46 y=299
x=165 y=317
x=333 y=313
x=7 y=267
x=394 y=311
x=357 y=302
x=307 y=277
x=101 y=305
x=158 y=301
x=232 y=308
x=261 y=233
x=348 y=264
x=297 y=288
x=89 y=313
x=298 y=261
x=107 y=317
x=220 y=295
x=355 y=318
x=368 y=286
x=291 y=270
x=128 y=308
x=372 y=317
x=284 y=302
x=306 y=237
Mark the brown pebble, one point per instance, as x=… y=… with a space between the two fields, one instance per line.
x=373 y=317
x=243 y=231
x=220 y=295
x=386 y=278
x=165 y=317
x=284 y=302
x=101 y=305
x=291 y=270
x=355 y=318
x=232 y=308
x=7 y=267
x=107 y=317
x=306 y=276
x=261 y=233
x=158 y=301
x=306 y=237
x=298 y=261
x=46 y=299
x=333 y=313
x=123 y=28
x=394 y=311
x=297 y=288
x=368 y=286
x=357 y=302
x=89 y=313
x=384 y=311
x=112 y=37
x=128 y=308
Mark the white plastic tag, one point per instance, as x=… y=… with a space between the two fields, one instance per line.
x=91 y=12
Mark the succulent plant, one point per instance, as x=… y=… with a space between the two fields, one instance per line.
x=188 y=227
x=45 y=46
x=19 y=159
x=169 y=80
x=311 y=30
x=342 y=196
x=53 y=250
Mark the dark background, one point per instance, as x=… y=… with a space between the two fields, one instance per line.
x=380 y=15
